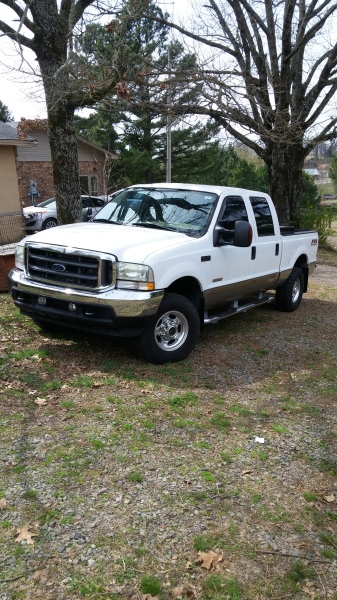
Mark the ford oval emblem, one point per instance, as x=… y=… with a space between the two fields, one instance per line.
x=58 y=268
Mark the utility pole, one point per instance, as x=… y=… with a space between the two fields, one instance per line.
x=168 y=121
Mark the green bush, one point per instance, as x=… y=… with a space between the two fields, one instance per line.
x=319 y=219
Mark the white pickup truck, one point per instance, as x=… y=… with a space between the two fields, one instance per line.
x=160 y=261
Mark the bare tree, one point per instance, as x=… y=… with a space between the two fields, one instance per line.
x=272 y=81
x=48 y=28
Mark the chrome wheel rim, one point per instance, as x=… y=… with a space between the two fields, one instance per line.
x=171 y=331
x=296 y=291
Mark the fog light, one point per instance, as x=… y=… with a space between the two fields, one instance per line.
x=72 y=306
x=42 y=300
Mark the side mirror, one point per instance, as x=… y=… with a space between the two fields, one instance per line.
x=242 y=237
x=87 y=214
x=217 y=233
x=243 y=234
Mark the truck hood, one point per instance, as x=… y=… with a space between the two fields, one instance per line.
x=127 y=243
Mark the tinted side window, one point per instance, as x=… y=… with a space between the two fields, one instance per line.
x=86 y=201
x=97 y=201
x=234 y=210
x=263 y=217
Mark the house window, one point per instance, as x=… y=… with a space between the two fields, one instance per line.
x=93 y=185
x=89 y=185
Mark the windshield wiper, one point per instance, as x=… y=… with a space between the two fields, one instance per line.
x=107 y=221
x=153 y=226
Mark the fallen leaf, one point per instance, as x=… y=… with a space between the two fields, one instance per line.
x=186 y=591
x=40 y=401
x=209 y=559
x=149 y=597
x=24 y=534
x=309 y=592
x=247 y=472
x=178 y=591
x=3 y=503
x=330 y=498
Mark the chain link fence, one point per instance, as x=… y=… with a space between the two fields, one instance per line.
x=11 y=231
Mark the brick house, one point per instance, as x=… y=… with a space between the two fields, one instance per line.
x=34 y=164
x=11 y=224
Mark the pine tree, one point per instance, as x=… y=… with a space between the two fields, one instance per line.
x=155 y=80
x=5 y=113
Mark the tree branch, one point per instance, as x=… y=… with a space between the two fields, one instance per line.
x=21 y=13
x=18 y=37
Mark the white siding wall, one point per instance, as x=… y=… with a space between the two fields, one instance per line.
x=41 y=152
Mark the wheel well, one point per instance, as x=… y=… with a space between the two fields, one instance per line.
x=190 y=288
x=302 y=263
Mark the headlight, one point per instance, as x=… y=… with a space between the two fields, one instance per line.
x=35 y=215
x=131 y=276
x=20 y=256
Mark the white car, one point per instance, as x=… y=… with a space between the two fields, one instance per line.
x=44 y=215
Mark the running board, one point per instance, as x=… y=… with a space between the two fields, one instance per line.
x=235 y=308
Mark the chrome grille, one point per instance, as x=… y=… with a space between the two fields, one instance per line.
x=73 y=268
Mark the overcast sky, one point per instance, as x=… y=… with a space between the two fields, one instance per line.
x=17 y=92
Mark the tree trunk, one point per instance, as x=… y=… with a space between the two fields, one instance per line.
x=285 y=164
x=63 y=146
x=50 y=45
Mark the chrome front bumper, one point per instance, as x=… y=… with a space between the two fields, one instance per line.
x=124 y=303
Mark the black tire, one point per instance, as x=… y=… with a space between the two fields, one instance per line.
x=49 y=223
x=173 y=333
x=288 y=297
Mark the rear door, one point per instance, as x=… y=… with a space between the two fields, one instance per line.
x=267 y=246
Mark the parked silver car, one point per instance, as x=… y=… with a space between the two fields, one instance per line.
x=44 y=215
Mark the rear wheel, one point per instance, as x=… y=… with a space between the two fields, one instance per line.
x=173 y=333
x=288 y=297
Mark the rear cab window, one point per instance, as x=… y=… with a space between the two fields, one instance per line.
x=263 y=217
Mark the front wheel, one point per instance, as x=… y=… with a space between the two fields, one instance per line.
x=288 y=297
x=174 y=332
x=49 y=223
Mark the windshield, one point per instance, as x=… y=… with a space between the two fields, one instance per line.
x=46 y=202
x=186 y=211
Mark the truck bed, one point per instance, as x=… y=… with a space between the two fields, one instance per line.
x=290 y=230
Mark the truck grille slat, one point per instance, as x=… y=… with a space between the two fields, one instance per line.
x=70 y=269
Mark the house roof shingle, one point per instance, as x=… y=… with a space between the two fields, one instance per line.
x=9 y=136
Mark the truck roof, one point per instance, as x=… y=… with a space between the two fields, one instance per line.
x=215 y=189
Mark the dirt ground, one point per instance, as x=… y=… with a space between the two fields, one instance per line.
x=213 y=479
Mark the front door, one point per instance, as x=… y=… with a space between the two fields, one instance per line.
x=232 y=269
